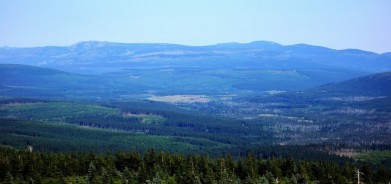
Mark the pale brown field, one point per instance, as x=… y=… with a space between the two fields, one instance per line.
x=181 y=98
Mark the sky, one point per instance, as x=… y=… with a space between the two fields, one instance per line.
x=338 y=24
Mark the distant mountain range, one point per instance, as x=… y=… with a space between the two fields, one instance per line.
x=121 y=70
x=101 y=57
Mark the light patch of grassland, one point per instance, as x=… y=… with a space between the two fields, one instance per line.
x=181 y=98
x=147 y=118
x=375 y=157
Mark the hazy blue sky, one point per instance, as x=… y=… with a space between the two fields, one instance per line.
x=340 y=24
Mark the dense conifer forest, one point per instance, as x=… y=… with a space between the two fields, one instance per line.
x=152 y=166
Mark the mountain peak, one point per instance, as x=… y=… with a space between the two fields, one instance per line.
x=250 y=45
x=91 y=44
x=263 y=43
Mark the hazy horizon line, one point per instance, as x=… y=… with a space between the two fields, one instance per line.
x=190 y=45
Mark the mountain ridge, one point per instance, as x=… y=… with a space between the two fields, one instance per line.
x=258 y=42
x=375 y=84
x=254 y=66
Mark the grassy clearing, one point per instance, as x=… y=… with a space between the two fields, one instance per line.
x=147 y=118
x=181 y=98
x=375 y=157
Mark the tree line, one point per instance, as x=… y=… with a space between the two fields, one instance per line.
x=152 y=166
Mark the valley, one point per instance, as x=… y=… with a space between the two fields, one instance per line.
x=213 y=100
x=354 y=113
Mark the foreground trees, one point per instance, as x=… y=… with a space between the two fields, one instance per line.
x=159 y=167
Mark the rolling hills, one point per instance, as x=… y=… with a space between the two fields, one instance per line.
x=229 y=68
x=332 y=114
x=211 y=98
x=37 y=82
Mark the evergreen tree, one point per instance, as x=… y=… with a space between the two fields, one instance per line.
x=288 y=167
x=240 y=170
x=269 y=176
x=229 y=180
x=251 y=166
x=263 y=180
x=150 y=159
x=230 y=165
x=31 y=180
x=81 y=180
x=304 y=176
x=61 y=180
x=143 y=175
x=221 y=170
x=156 y=180
x=226 y=178
x=248 y=180
x=367 y=170
x=17 y=167
x=8 y=178
x=262 y=167
x=131 y=160
x=190 y=172
x=292 y=179
x=122 y=177
x=382 y=175
x=37 y=178
x=207 y=175
x=54 y=171
x=106 y=177
x=274 y=168
x=92 y=174
x=348 y=171
x=28 y=170
x=170 y=180
x=129 y=176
